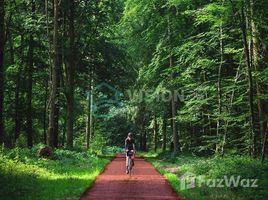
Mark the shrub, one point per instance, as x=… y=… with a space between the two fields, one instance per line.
x=98 y=144
x=21 y=141
x=113 y=150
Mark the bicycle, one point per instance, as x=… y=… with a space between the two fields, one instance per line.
x=130 y=161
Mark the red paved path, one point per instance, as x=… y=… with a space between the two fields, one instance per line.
x=145 y=183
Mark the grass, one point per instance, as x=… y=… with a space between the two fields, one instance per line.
x=208 y=169
x=25 y=176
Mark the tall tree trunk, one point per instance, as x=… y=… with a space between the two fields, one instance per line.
x=47 y=103
x=45 y=113
x=256 y=64
x=17 y=89
x=2 y=34
x=155 y=133
x=89 y=127
x=264 y=144
x=173 y=100
x=17 y=107
x=54 y=77
x=143 y=128
x=250 y=81
x=91 y=112
x=64 y=132
x=164 y=130
x=29 y=120
x=18 y=103
x=174 y=125
x=144 y=140
x=219 y=88
x=88 y=118
x=70 y=77
x=57 y=106
x=140 y=140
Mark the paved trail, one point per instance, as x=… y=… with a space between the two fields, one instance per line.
x=145 y=183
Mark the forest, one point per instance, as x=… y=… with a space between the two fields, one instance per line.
x=189 y=78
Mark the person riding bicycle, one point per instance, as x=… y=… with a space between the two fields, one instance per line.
x=130 y=149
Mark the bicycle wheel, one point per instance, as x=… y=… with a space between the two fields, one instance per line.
x=129 y=165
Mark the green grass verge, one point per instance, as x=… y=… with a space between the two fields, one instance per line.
x=211 y=168
x=25 y=176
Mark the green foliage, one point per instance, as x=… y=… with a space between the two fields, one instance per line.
x=21 y=142
x=113 y=150
x=98 y=144
x=199 y=44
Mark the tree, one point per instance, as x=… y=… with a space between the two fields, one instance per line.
x=30 y=69
x=250 y=80
x=173 y=100
x=164 y=131
x=155 y=132
x=52 y=126
x=70 y=76
x=2 y=38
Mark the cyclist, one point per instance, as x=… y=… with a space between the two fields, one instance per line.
x=130 y=149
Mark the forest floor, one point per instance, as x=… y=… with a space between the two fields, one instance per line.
x=144 y=183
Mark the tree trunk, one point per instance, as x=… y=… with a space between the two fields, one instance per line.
x=140 y=140
x=70 y=78
x=155 y=133
x=47 y=103
x=17 y=113
x=64 y=132
x=29 y=120
x=2 y=34
x=17 y=107
x=174 y=126
x=164 y=144
x=88 y=119
x=89 y=128
x=45 y=114
x=144 y=140
x=218 y=146
x=173 y=101
x=250 y=83
x=256 y=64
x=18 y=103
x=143 y=127
x=54 y=77
x=264 y=144
x=57 y=104
x=91 y=113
